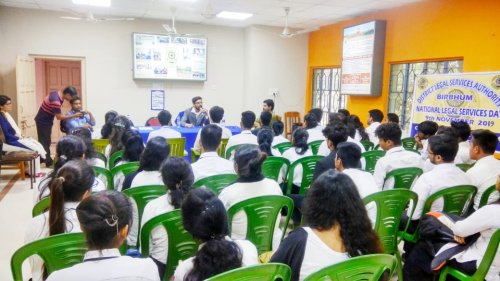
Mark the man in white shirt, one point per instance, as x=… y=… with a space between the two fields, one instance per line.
x=216 y=114
x=246 y=136
x=196 y=115
x=389 y=139
x=462 y=130
x=487 y=168
x=164 y=117
x=210 y=163
x=375 y=117
x=425 y=130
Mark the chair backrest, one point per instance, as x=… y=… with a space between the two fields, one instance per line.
x=272 y=166
x=262 y=213
x=390 y=206
x=232 y=149
x=368 y=145
x=464 y=167
x=181 y=244
x=314 y=146
x=409 y=143
x=57 y=252
x=457 y=199
x=216 y=183
x=366 y=268
x=262 y=272
x=222 y=147
x=404 y=177
x=177 y=146
x=282 y=147
x=107 y=174
x=113 y=159
x=486 y=195
x=371 y=158
x=100 y=144
x=101 y=156
x=41 y=207
x=291 y=117
x=152 y=121
x=125 y=169
x=308 y=164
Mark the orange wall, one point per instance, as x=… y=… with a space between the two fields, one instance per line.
x=427 y=30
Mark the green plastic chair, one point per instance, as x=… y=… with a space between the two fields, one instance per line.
x=308 y=166
x=195 y=154
x=457 y=200
x=404 y=177
x=262 y=213
x=101 y=156
x=314 y=146
x=126 y=168
x=409 y=143
x=272 y=166
x=371 y=158
x=230 y=150
x=390 y=207
x=216 y=183
x=41 y=207
x=57 y=252
x=365 y=268
x=107 y=174
x=486 y=195
x=464 y=167
x=368 y=145
x=262 y=272
x=177 y=147
x=282 y=147
x=181 y=244
x=483 y=267
x=100 y=144
x=113 y=159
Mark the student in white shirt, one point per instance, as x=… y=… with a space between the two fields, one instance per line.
x=299 y=150
x=90 y=155
x=318 y=113
x=120 y=124
x=425 y=130
x=487 y=168
x=216 y=114
x=375 y=117
x=396 y=157
x=205 y=218
x=338 y=228
x=278 y=133
x=105 y=218
x=178 y=179
x=463 y=131
x=251 y=183
x=311 y=125
x=246 y=136
x=164 y=117
x=71 y=184
x=210 y=163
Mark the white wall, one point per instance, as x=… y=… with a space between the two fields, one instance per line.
x=242 y=63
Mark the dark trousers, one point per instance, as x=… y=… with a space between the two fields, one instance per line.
x=44 y=133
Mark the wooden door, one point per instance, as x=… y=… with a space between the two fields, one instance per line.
x=26 y=96
x=59 y=74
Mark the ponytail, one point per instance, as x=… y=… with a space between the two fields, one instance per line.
x=57 y=223
x=265 y=139
x=178 y=177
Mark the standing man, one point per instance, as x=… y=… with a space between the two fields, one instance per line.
x=87 y=121
x=50 y=108
x=196 y=115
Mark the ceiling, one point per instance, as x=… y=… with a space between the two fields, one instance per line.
x=303 y=13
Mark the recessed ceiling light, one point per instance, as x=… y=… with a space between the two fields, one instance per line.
x=100 y=3
x=233 y=15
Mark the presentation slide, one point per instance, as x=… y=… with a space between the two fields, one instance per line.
x=169 y=57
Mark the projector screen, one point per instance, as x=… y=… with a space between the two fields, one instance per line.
x=168 y=57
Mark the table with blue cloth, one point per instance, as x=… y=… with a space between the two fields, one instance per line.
x=188 y=133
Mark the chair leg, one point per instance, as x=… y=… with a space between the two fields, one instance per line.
x=399 y=265
x=22 y=170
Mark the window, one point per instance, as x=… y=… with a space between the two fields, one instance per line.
x=326 y=91
x=402 y=80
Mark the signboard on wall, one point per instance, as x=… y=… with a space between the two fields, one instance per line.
x=471 y=97
x=363 y=59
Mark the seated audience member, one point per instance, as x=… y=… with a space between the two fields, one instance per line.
x=251 y=183
x=345 y=112
x=72 y=183
x=463 y=131
x=348 y=161
x=487 y=167
x=90 y=155
x=311 y=125
x=336 y=118
x=318 y=113
x=425 y=130
x=395 y=157
x=265 y=140
x=105 y=218
x=265 y=121
x=246 y=136
x=164 y=117
x=216 y=115
x=178 y=179
x=392 y=118
x=337 y=228
x=108 y=124
x=132 y=151
x=205 y=218
x=278 y=127
x=375 y=117
x=361 y=134
x=210 y=163
x=299 y=150
x=86 y=121
x=335 y=134
x=196 y=115
x=268 y=106
x=351 y=132
x=120 y=125
x=67 y=148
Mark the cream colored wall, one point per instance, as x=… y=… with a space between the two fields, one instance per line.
x=242 y=64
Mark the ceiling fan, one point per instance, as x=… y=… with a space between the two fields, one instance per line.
x=89 y=17
x=286 y=33
x=171 y=29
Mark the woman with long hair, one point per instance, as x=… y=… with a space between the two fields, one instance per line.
x=299 y=149
x=71 y=183
x=250 y=184
x=120 y=124
x=90 y=155
x=132 y=151
x=361 y=134
x=205 y=218
x=108 y=124
x=265 y=141
x=105 y=218
x=313 y=129
x=337 y=228
x=178 y=179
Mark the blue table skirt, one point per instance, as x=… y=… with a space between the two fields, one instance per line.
x=188 y=133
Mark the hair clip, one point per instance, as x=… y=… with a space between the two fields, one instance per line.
x=63 y=157
x=61 y=179
x=112 y=221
